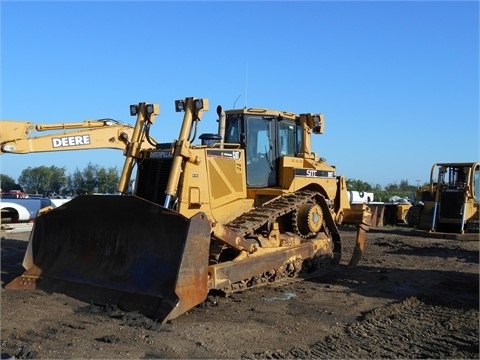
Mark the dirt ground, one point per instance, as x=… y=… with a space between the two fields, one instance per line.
x=410 y=297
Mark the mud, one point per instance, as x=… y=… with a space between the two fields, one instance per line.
x=410 y=297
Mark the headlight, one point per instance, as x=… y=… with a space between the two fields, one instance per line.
x=179 y=105
x=150 y=109
x=199 y=104
x=133 y=110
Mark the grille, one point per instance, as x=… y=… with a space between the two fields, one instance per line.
x=152 y=179
x=451 y=204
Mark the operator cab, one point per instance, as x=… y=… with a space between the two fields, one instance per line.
x=265 y=137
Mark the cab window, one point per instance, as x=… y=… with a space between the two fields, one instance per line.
x=286 y=138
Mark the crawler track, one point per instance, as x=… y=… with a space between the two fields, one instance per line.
x=282 y=210
x=473 y=223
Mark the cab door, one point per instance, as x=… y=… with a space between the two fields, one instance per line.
x=260 y=149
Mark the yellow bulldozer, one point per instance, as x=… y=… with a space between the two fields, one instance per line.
x=449 y=204
x=248 y=206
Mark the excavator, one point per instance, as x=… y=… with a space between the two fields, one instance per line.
x=21 y=137
x=448 y=206
x=248 y=206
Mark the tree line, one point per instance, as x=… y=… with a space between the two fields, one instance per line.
x=93 y=178
x=402 y=189
x=45 y=180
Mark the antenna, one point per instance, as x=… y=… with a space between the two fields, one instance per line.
x=238 y=97
x=246 y=88
x=246 y=84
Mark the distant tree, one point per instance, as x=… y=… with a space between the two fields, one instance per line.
x=405 y=186
x=90 y=178
x=93 y=179
x=392 y=187
x=76 y=184
x=7 y=183
x=377 y=188
x=58 y=179
x=82 y=182
x=358 y=185
x=43 y=179
x=403 y=189
x=108 y=180
x=35 y=179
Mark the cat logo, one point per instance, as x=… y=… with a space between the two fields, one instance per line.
x=161 y=154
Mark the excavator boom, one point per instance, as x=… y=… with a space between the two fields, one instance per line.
x=17 y=137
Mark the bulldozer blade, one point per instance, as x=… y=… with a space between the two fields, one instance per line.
x=121 y=250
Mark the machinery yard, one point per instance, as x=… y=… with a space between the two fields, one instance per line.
x=205 y=259
x=409 y=297
x=262 y=222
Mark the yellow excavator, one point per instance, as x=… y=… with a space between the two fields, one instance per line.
x=25 y=137
x=248 y=206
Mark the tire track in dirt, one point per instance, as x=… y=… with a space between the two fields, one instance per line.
x=408 y=329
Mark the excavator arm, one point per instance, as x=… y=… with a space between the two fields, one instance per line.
x=18 y=137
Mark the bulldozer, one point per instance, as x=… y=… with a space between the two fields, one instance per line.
x=449 y=205
x=248 y=206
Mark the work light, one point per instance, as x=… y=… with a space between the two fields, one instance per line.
x=133 y=110
x=150 y=109
x=179 y=105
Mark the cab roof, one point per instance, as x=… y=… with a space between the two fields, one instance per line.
x=260 y=111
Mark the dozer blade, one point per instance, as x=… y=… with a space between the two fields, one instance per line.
x=121 y=250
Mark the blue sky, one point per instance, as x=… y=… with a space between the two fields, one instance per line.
x=397 y=81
